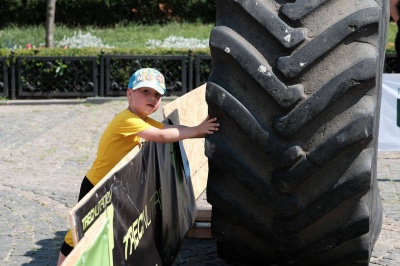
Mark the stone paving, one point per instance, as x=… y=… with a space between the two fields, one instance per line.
x=45 y=150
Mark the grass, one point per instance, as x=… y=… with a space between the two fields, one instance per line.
x=132 y=36
x=391 y=36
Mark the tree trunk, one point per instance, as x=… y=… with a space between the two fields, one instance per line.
x=50 y=15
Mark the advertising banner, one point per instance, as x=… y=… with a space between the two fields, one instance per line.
x=389 y=126
x=145 y=208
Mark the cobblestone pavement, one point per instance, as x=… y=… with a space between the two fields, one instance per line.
x=47 y=149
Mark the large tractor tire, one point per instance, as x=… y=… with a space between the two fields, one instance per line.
x=296 y=86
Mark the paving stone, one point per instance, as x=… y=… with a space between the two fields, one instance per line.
x=45 y=150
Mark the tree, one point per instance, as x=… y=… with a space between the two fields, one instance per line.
x=50 y=16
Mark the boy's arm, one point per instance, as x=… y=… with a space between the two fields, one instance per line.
x=172 y=133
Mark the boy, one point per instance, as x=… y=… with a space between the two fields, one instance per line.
x=145 y=88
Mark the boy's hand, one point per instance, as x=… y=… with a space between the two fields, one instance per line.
x=172 y=133
x=208 y=126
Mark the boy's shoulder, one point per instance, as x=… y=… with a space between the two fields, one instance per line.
x=129 y=118
x=126 y=114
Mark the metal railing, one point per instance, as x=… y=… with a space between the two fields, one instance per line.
x=4 y=85
x=51 y=76
x=38 y=77
x=105 y=75
x=390 y=63
x=118 y=69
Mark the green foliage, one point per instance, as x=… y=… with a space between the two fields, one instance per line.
x=391 y=37
x=132 y=35
x=107 y=12
x=99 y=51
x=48 y=71
x=81 y=40
x=22 y=12
x=178 y=42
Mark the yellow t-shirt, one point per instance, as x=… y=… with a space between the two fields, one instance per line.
x=118 y=139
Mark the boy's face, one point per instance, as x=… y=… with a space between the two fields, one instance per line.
x=143 y=101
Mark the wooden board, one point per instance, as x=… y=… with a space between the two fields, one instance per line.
x=192 y=110
x=123 y=162
x=202 y=226
x=85 y=243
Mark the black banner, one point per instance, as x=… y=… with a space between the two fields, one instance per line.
x=152 y=204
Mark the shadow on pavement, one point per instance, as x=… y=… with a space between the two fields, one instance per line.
x=197 y=252
x=47 y=250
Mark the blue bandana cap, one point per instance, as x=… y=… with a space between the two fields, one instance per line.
x=149 y=78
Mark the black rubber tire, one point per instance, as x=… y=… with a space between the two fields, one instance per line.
x=292 y=171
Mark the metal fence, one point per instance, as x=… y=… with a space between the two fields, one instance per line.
x=52 y=76
x=118 y=69
x=390 y=63
x=106 y=75
x=38 y=77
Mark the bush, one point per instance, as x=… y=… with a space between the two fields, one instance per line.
x=81 y=40
x=178 y=42
x=98 y=51
x=106 y=13
x=22 y=12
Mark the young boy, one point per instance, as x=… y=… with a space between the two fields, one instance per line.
x=124 y=132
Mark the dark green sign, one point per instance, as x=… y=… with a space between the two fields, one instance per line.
x=152 y=208
x=398 y=112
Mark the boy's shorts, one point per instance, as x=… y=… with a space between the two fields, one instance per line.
x=68 y=244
